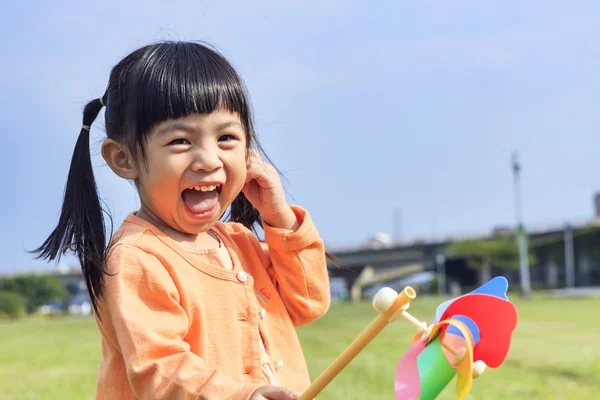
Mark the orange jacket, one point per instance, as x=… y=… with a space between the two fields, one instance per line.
x=178 y=326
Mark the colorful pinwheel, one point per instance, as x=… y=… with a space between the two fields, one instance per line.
x=474 y=328
x=469 y=333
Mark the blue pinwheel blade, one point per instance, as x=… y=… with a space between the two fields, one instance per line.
x=494 y=287
x=469 y=323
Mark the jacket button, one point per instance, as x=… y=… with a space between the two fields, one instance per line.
x=242 y=276
x=279 y=364
x=262 y=313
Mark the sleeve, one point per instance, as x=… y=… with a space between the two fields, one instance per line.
x=141 y=302
x=298 y=268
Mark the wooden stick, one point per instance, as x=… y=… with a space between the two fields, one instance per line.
x=358 y=344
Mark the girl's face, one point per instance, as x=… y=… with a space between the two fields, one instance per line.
x=196 y=167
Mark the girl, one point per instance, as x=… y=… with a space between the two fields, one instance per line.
x=189 y=307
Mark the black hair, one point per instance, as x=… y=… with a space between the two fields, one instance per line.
x=161 y=81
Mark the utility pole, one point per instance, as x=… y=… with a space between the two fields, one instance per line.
x=521 y=235
x=569 y=258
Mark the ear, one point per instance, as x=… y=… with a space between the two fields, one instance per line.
x=119 y=159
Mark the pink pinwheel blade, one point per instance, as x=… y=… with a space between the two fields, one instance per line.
x=407 y=384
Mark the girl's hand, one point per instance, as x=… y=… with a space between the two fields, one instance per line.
x=264 y=190
x=272 y=392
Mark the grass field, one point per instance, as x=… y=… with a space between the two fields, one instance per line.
x=554 y=354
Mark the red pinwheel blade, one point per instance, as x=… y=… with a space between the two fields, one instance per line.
x=496 y=319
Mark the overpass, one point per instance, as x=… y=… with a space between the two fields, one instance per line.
x=385 y=262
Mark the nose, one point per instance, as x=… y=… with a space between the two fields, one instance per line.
x=206 y=160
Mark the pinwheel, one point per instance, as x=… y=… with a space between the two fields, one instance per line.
x=468 y=333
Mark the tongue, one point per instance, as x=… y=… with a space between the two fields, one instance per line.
x=200 y=202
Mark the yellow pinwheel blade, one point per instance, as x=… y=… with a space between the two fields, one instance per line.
x=464 y=369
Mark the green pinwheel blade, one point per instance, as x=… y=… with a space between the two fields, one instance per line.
x=434 y=370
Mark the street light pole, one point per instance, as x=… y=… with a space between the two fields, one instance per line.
x=521 y=236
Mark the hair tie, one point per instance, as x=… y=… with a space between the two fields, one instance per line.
x=101 y=101
x=86 y=127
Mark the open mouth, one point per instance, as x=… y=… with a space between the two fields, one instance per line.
x=202 y=199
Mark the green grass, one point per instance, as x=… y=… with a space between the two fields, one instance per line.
x=554 y=354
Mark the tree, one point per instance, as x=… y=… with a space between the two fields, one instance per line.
x=37 y=289
x=12 y=304
x=483 y=254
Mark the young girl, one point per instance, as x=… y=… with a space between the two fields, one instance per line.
x=190 y=307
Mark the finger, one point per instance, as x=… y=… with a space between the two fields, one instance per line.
x=256 y=158
x=253 y=156
x=259 y=174
x=280 y=393
x=253 y=162
x=254 y=172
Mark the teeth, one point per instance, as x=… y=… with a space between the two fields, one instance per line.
x=207 y=188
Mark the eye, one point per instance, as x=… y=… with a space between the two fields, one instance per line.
x=226 y=138
x=179 y=142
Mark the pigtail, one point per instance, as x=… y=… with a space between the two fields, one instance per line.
x=81 y=228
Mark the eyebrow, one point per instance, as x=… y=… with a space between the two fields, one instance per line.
x=174 y=126
x=182 y=126
x=228 y=124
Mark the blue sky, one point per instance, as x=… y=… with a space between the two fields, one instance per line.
x=367 y=108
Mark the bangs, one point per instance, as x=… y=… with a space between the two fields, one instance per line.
x=174 y=80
